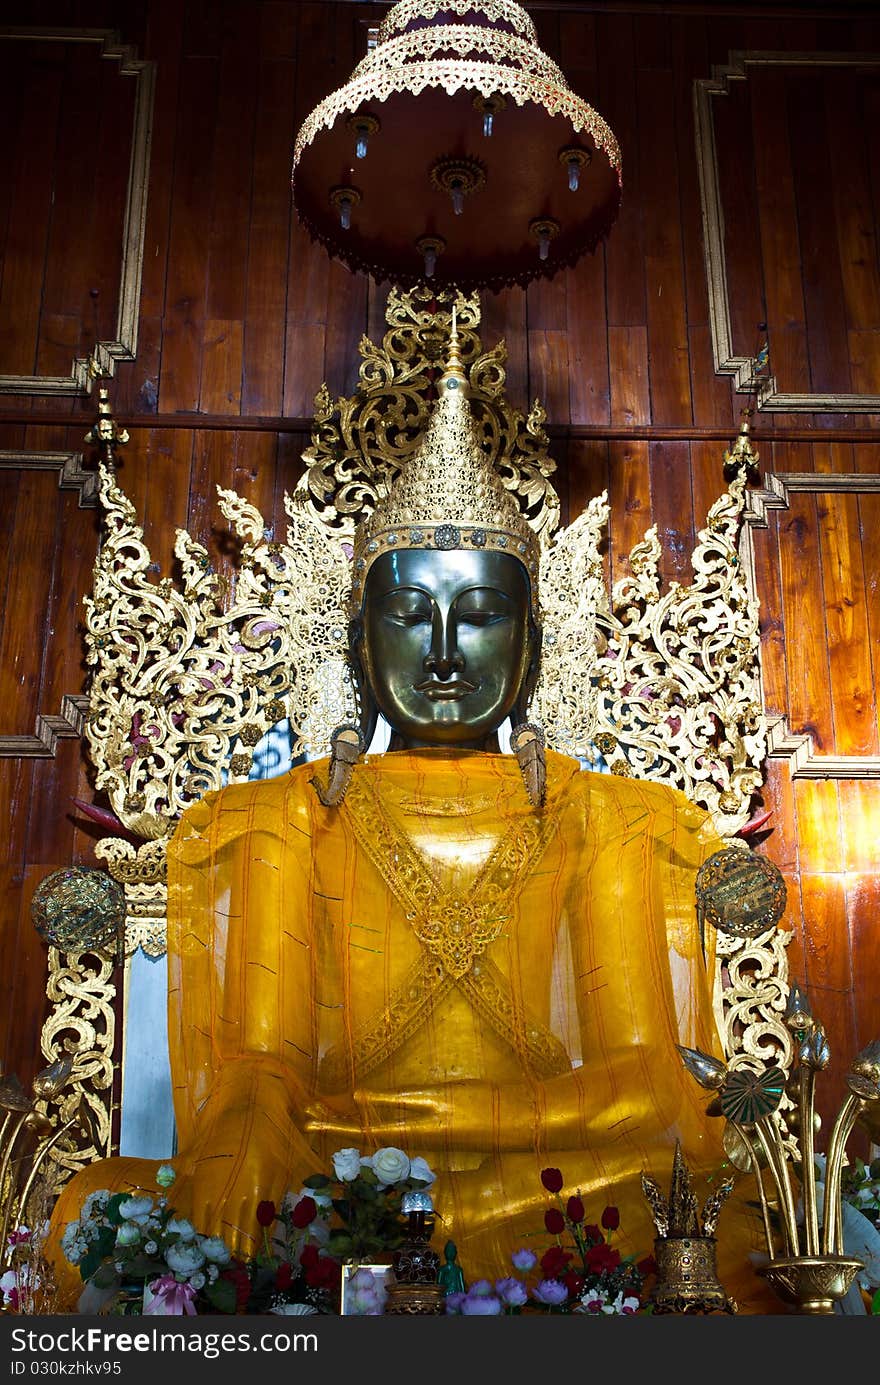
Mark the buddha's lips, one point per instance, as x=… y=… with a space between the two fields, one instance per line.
x=445 y=691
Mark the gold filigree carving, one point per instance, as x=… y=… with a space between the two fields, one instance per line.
x=82 y=1022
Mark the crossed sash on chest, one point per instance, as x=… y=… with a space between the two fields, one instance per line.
x=455 y=928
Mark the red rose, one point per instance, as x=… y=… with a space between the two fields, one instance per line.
x=304 y=1212
x=266 y=1213
x=602 y=1257
x=284 y=1276
x=554 y=1261
x=611 y=1219
x=309 y=1257
x=593 y=1235
x=552 y=1180
x=575 y=1210
x=238 y=1275
x=324 y=1274
x=554 y=1221
x=647 y=1266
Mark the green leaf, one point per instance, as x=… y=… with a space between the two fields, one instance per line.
x=367 y=1176
x=317 y=1181
x=875 y=1304
x=221 y=1295
x=90 y=1263
x=340 y=1243
x=113 y=1214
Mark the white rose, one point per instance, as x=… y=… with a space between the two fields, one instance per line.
x=183 y=1259
x=418 y=1168
x=179 y=1226
x=390 y=1165
x=347 y=1164
x=215 y=1249
x=128 y=1234
x=136 y=1208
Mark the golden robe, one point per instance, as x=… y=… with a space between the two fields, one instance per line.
x=436 y=966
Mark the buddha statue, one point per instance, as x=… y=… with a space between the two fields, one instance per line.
x=483 y=958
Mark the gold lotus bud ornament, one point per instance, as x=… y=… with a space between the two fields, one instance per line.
x=798 y=1015
x=707 y=1070
x=810 y=1271
x=52 y=1080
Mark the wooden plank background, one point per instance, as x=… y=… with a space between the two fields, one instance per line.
x=242 y=318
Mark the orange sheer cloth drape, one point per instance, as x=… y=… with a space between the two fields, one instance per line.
x=434 y=966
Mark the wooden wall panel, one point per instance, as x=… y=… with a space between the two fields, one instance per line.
x=29 y=168
x=243 y=318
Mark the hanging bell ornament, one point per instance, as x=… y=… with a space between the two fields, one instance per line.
x=464 y=116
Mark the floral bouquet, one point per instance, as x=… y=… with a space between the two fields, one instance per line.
x=585 y=1260
x=27 y=1284
x=290 y=1274
x=582 y=1272
x=365 y=1196
x=860 y=1187
x=131 y=1248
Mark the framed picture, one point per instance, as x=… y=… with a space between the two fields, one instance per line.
x=363 y=1297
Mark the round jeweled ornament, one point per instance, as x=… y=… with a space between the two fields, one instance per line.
x=79 y=909
x=740 y=892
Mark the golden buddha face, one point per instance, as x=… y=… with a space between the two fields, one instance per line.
x=446 y=644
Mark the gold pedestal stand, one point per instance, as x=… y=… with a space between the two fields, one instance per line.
x=811 y=1283
x=415 y=1298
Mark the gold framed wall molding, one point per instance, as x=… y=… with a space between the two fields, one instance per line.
x=744 y=369
x=72 y=475
x=48 y=730
x=68 y=722
x=104 y=354
x=797 y=748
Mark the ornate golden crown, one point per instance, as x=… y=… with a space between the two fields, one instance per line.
x=448 y=494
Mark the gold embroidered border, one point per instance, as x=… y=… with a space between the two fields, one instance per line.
x=454 y=929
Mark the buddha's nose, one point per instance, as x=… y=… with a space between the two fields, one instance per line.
x=444 y=656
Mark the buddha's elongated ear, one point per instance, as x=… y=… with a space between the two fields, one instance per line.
x=527 y=744
x=347 y=747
